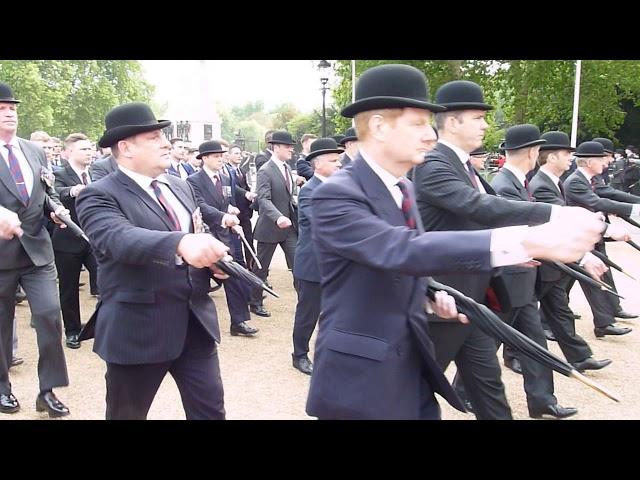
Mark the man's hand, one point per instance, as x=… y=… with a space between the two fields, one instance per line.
x=233 y=210
x=618 y=232
x=283 y=222
x=59 y=211
x=219 y=273
x=445 y=307
x=567 y=238
x=238 y=230
x=300 y=180
x=76 y=189
x=594 y=266
x=9 y=224
x=230 y=220
x=251 y=196
x=201 y=249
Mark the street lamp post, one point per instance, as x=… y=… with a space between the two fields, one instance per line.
x=323 y=68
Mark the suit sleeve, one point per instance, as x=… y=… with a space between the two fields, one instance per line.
x=438 y=184
x=506 y=190
x=581 y=194
x=264 y=197
x=98 y=171
x=605 y=191
x=545 y=195
x=62 y=188
x=112 y=233
x=304 y=168
x=304 y=205
x=345 y=224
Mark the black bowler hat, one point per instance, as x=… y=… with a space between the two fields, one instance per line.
x=556 y=141
x=282 y=138
x=391 y=86
x=461 y=95
x=210 y=147
x=127 y=120
x=350 y=136
x=606 y=144
x=590 y=149
x=339 y=140
x=521 y=136
x=6 y=94
x=479 y=152
x=322 y=146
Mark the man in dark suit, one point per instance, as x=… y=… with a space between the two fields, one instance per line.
x=373 y=357
x=303 y=166
x=350 y=142
x=72 y=252
x=324 y=159
x=554 y=159
x=213 y=188
x=155 y=316
x=277 y=223
x=179 y=166
x=580 y=189
x=103 y=167
x=264 y=156
x=521 y=146
x=450 y=196
x=27 y=259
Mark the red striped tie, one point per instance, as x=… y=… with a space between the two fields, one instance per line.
x=407 y=204
x=16 y=172
x=165 y=204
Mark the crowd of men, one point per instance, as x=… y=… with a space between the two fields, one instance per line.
x=364 y=220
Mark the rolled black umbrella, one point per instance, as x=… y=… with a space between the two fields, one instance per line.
x=236 y=270
x=489 y=323
x=576 y=267
x=581 y=277
x=631 y=222
x=634 y=244
x=611 y=263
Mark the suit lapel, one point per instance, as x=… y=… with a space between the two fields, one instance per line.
x=181 y=195
x=134 y=188
x=32 y=158
x=72 y=174
x=276 y=171
x=456 y=163
x=514 y=180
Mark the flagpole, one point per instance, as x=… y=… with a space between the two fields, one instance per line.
x=576 y=104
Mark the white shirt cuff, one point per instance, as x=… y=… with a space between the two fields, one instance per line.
x=635 y=210
x=555 y=212
x=506 y=246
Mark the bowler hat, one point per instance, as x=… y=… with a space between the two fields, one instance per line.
x=6 y=94
x=606 y=144
x=391 y=86
x=521 y=136
x=210 y=147
x=339 y=140
x=322 y=146
x=461 y=95
x=127 y=120
x=556 y=141
x=282 y=138
x=590 y=149
x=350 y=136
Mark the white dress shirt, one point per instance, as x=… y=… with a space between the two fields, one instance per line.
x=464 y=158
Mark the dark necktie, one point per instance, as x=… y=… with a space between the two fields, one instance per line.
x=593 y=183
x=218 y=185
x=173 y=218
x=407 y=204
x=285 y=172
x=526 y=187
x=84 y=178
x=16 y=172
x=561 y=188
x=472 y=175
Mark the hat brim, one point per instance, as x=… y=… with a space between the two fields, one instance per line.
x=524 y=145
x=589 y=155
x=555 y=146
x=375 y=103
x=317 y=153
x=9 y=100
x=282 y=143
x=114 y=135
x=452 y=106
x=348 y=139
x=201 y=154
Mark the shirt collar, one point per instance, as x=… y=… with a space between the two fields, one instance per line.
x=387 y=178
x=553 y=178
x=462 y=155
x=279 y=162
x=142 y=180
x=585 y=173
x=519 y=175
x=13 y=142
x=78 y=171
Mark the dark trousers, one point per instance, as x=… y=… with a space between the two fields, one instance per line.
x=39 y=284
x=237 y=293
x=265 y=254
x=475 y=356
x=68 y=266
x=554 y=305
x=306 y=317
x=603 y=306
x=132 y=388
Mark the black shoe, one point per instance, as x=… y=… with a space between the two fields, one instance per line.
x=243 y=329
x=8 y=403
x=73 y=341
x=47 y=401
x=468 y=405
x=15 y=361
x=548 y=334
x=591 y=364
x=626 y=315
x=20 y=295
x=268 y=285
x=81 y=284
x=576 y=316
x=303 y=364
x=610 y=330
x=555 y=411
x=215 y=288
x=259 y=310
x=514 y=365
